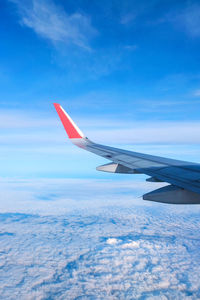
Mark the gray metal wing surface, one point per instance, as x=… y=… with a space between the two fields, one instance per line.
x=183 y=177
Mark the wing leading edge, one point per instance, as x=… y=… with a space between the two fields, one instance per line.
x=184 y=177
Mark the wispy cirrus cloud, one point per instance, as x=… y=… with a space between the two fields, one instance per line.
x=189 y=20
x=131 y=47
x=186 y=19
x=128 y=17
x=51 y=22
x=196 y=93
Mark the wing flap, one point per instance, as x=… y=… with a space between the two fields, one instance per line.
x=116 y=168
x=173 y=195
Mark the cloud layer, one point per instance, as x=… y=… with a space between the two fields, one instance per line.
x=116 y=253
x=79 y=238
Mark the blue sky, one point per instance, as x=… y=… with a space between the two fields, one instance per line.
x=126 y=71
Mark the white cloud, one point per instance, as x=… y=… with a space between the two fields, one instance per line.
x=23 y=127
x=68 y=257
x=131 y=47
x=132 y=244
x=11 y=119
x=197 y=93
x=152 y=132
x=190 y=20
x=37 y=144
x=187 y=19
x=128 y=17
x=51 y=22
x=58 y=196
x=112 y=241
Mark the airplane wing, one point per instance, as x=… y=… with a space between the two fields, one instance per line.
x=183 y=177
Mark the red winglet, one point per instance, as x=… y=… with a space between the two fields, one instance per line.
x=72 y=130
